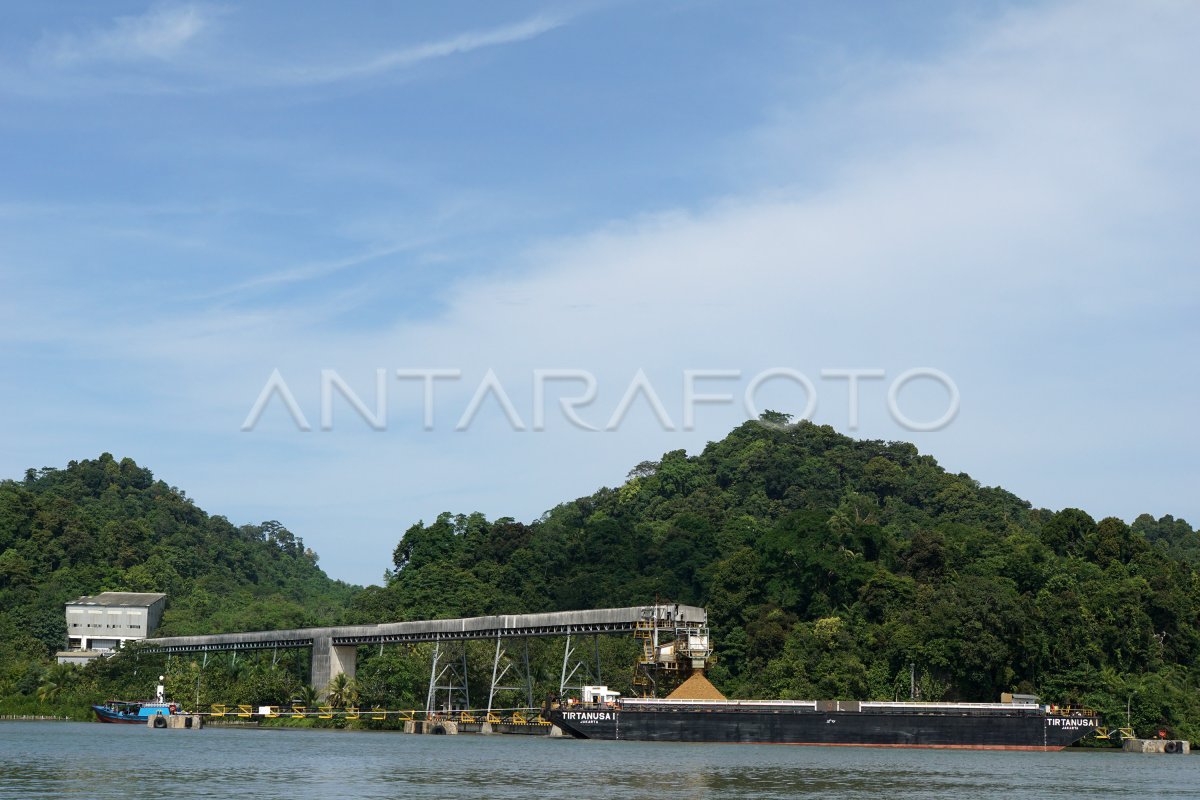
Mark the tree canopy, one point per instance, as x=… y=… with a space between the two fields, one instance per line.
x=828 y=566
x=108 y=525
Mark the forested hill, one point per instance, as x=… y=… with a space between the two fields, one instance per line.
x=829 y=565
x=108 y=525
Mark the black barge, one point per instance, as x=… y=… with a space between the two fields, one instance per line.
x=971 y=726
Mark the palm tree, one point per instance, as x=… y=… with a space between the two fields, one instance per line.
x=307 y=696
x=55 y=681
x=48 y=690
x=338 y=694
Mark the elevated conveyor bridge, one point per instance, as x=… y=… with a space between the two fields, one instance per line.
x=334 y=649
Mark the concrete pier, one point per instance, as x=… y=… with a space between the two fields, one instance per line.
x=437 y=727
x=330 y=660
x=1165 y=746
x=454 y=728
x=193 y=722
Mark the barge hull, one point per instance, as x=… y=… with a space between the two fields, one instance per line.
x=863 y=728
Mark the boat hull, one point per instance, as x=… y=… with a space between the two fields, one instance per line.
x=128 y=714
x=948 y=730
x=104 y=715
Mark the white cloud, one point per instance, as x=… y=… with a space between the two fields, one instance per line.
x=169 y=33
x=997 y=216
x=1008 y=212
x=160 y=33
x=414 y=54
x=307 y=272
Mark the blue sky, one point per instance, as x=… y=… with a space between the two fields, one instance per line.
x=195 y=195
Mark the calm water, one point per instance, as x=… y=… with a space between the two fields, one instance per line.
x=55 y=760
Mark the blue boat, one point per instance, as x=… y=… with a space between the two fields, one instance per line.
x=134 y=712
x=139 y=712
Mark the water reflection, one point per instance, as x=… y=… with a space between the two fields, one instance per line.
x=53 y=760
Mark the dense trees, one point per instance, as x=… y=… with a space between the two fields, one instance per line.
x=108 y=525
x=828 y=566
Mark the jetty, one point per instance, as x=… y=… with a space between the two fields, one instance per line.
x=1164 y=746
x=335 y=649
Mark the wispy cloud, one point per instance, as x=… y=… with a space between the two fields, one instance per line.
x=1013 y=209
x=160 y=33
x=414 y=54
x=169 y=33
x=309 y=272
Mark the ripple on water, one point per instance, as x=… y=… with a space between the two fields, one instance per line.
x=56 y=760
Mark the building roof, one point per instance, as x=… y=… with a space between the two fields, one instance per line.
x=119 y=599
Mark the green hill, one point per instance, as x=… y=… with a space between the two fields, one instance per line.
x=108 y=525
x=829 y=565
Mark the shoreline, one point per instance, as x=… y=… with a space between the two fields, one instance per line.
x=36 y=718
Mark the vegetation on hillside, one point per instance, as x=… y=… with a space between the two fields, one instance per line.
x=828 y=566
x=108 y=525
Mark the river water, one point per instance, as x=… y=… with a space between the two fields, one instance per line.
x=88 y=760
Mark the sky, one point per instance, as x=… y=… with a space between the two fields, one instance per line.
x=348 y=267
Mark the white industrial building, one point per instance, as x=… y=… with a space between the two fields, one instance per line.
x=100 y=624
